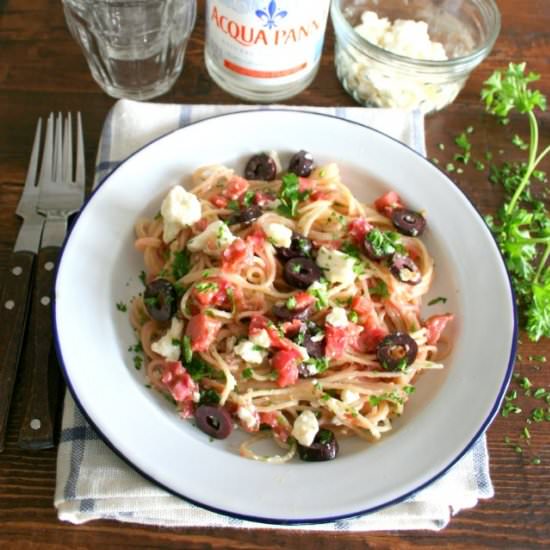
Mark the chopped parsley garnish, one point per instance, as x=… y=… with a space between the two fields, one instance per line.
x=138 y=362
x=176 y=342
x=248 y=197
x=142 y=277
x=209 y=397
x=233 y=205
x=379 y=289
x=384 y=243
x=320 y=365
x=350 y=249
x=290 y=195
x=187 y=352
x=181 y=264
x=438 y=300
x=248 y=373
x=320 y=293
x=198 y=368
x=152 y=301
x=291 y=303
x=296 y=268
x=324 y=436
x=463 y=143
x=206 y=286
x=121 y=306
x=353 y=317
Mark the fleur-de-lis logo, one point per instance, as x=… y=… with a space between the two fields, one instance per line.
x=270 y=14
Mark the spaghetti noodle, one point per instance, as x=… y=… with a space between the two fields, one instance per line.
x=286 y=306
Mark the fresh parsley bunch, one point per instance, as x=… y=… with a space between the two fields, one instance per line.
x=522 y=225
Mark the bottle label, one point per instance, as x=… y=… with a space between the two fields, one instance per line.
x=267 y=41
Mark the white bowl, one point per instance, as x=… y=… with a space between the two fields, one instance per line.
x=442 y=420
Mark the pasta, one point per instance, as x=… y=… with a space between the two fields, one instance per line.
x=285 y=306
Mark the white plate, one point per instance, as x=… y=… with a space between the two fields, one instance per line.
x=445 y=416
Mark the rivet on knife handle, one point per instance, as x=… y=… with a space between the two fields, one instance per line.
x=14 y=302
x=37 y=428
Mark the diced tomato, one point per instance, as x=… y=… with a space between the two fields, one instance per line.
x=236 y=255
x=304 y=184
x=236 y=187
x=178 y=381
x=436 y=325
x=285 y=362
x=320 y=195
x=363 y=306
x=257 y=239
x=290 y=328
x=278 y=423
x=261 y=199
x=201 y=225
x=369 y=338
x=219 y=201
x=259 y=322
x=358 y=228
x=303 y=300
x=202 y=331
x=339 y=338
x=214 y=293
x=387 y=202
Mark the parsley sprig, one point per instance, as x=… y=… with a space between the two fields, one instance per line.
x=522 y=225
x=290 y=195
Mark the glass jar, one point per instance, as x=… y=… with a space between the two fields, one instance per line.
x=264 y=51
x=375 y=76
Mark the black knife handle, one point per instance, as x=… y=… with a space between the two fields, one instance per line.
x=37 y=428
x=14 y=306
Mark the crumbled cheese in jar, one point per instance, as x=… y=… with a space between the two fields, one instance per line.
x=179 y=209
x=372 y=82
x=337 y=265
x=261 y=338
x=213 y=239
x=166 y=345
x=279 y=235
x=250 y=352
x=338 y=317
x=305 y=428
x=248 y=416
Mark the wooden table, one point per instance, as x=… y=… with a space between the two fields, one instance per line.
x=42 y=70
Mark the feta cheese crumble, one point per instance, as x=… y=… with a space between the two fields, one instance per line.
x=349 y=396
x=248 y=416
x=178 y=209
x=166 y=345
x=250 y=352
x=213 y=239
x=337 y=265
x=279 y=235
x=337 y=317
x=261 y=338
x=305 y=428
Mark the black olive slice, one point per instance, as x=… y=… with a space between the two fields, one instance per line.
x=397 y=351
x=260 y=167
x=324 y=447
x=300 y=246
x=247 y=215
x=160 y=299
x=301 y=272
x=404 y=269
x=214 y=421
x=408 y=222
x=301 y=164
x=283 y=312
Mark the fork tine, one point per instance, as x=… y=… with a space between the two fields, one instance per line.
x=80 y=163
x=30 y=180
x=67 y=166
x=47 y=156
x=58 y=148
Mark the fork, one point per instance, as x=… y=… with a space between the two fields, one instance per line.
x=60 y=196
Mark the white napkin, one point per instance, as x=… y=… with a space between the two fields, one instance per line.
x=94 y=483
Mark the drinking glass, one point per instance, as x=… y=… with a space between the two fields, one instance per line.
x=134 y=48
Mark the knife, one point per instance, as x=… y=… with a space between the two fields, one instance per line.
x=14 y=299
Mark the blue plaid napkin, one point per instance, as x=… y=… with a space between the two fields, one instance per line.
x=94 y=483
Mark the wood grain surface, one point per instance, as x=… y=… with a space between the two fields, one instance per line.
x=42 y=70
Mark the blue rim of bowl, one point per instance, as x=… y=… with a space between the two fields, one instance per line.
x=278 y=521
